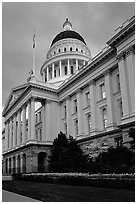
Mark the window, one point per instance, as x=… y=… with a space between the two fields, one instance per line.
x=54 y=52
x=89 y=123
x=72 y=71
x=102 y=91
x=65 y=111
x=75 y=105
x=76 y=126
x=88 y=99
x=59 y=50
x=104 y=112
x=118 y=141
x=121 y=108
x=40 y=134
x=40 y=116
x=65 y=70
x=54 y=73
x=70 y=48
x=65 y=49
x=36 y=118
x=118 y=82
x=76 y=49
x=36 y=135
x=65 y=128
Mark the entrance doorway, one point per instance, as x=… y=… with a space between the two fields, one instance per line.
x=42 y=162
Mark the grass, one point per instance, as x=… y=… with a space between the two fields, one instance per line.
x=65 y=193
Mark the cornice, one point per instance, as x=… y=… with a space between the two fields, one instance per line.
x=123 y=33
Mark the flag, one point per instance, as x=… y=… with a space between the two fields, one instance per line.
x=34 y=44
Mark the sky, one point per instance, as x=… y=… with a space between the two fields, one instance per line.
x=94 y=21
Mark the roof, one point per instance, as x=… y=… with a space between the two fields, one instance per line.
x=68 y=34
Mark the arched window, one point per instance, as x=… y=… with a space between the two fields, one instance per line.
x=76 y=49
x=55 y=73
x=81 y=50
x=65 y=70
x=70 y=48
x=54 y=52
x=59 y=50
x=72 y=71
x=65 y=49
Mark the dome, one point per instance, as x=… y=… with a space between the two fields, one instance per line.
x=68 y=34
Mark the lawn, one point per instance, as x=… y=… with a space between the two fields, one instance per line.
x=65 y=193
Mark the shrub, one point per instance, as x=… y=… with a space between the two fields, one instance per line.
x=126 y=181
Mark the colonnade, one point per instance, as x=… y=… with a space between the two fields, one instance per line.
x=15 y=164
x=16 y=133
x=47 y=75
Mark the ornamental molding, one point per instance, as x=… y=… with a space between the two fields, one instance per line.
x=124 y=54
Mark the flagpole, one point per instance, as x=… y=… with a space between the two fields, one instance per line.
x=34 y=45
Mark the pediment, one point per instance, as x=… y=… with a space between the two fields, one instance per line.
x=14 y=95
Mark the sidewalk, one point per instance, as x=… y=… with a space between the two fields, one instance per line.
x=13 y=197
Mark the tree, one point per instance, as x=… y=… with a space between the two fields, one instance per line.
x=66 y=155
x=131 y=133
x=115 y=160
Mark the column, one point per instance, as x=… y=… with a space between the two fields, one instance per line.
x=94 y=121
x=11 y=164
x=84 y=62
x=68 y=111
x=53 y=70
x=80 y=114
x=19 y=128
x=124 y=84
x=16 y=161
x=24 y=124
x=21 y=163
x=48 y=120
x=60 y=68
x=68 y=67
x=76 y=64
x=43 y=122
x=14 y=131
x=32 y=118
x=10 y=138
x=43 y=76
x=47 y=73
x=29 y=120
x=130 y=61
x=110 y=102
x=6 y=136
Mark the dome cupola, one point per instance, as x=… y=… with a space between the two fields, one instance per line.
x=68 y=54
x=67 y=25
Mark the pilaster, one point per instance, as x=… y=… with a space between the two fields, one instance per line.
x=80 y=115
x=24 y=124
x=43 y=122
x=29 y=120
x=53 y=70
x=93 y=108
x=110 y=102
x=19 y=129
x=33 y=118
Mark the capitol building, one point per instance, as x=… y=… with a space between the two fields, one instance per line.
x=89 y=98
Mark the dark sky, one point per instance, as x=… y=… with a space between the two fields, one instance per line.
x=96 y=22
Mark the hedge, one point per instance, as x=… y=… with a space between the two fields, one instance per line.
x=120 y=181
